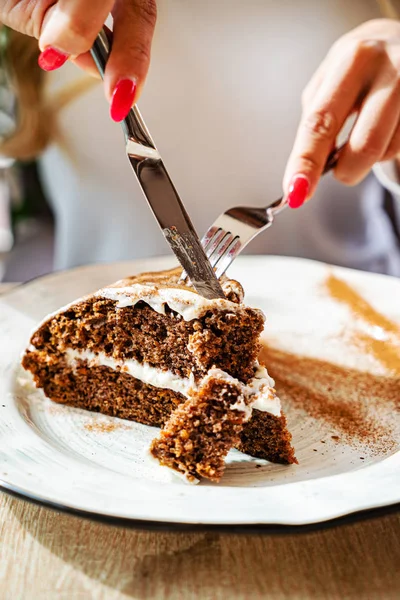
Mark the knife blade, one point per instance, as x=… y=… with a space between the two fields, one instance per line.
x=160 y=192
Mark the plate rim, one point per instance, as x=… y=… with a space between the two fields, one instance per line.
x=242 y=528
x=351 y=514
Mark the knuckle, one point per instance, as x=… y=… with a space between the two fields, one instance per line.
x=344 y=176
x=309 y=164
x=140 y=52
x=80 y=34
x=79 y=27
x=321 y=124
x=370 y=151
x=148 y=12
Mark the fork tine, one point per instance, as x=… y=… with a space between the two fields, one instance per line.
x=212 y=242
x=227 y=257
x=220 y=250
x=209 y=235
x=209 y=241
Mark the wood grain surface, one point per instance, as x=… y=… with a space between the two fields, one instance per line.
x=46 y=555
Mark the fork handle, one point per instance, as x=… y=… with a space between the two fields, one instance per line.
x=133 y=126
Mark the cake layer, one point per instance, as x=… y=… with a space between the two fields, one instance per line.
x=225 y=339
x=103 y=389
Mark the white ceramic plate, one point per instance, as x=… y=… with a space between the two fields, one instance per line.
x=97 y=466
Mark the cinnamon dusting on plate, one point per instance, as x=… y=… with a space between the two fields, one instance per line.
x=102 y=427
x=383 y=342
x=361 y=407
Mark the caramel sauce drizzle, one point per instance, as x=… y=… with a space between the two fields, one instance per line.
x=387 y=350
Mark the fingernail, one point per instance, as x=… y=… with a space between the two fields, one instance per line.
x=298 y=191
x=122 y=99
x=51 y=59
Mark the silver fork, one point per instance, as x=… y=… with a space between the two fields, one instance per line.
x=234 y=229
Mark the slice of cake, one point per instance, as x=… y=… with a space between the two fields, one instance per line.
x=156 y=352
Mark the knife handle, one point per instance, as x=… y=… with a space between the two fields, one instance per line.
x=134 y=128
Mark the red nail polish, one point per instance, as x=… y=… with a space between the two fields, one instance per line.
x=51 y=59
x=298 y=191
x=122 y=99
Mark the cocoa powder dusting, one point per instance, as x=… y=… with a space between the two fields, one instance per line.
x=386 y=348
x=103 y=427
x=360 y=406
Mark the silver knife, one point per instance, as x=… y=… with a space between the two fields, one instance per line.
x=160 y=192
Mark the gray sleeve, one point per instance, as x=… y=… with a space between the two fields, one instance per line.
x=350 y=226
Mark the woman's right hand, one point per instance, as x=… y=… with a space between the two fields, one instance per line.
x=66 y=29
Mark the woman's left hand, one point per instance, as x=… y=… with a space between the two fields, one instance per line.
x=361 y=74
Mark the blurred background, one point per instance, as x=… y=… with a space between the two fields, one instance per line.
x=222 y=101
x=26 y=221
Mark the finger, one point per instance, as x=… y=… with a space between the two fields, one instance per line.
x=336 y=54
x=86 y=63
x=24 y=16
x=344 y=82
x=393 y=149
x=314 y=85
x=134 y=23
x=70 y=26
x=372 y=133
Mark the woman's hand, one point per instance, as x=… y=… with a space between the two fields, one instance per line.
x=67 y=29
x=361 y=74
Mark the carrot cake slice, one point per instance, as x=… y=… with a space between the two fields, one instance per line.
x=151 y=350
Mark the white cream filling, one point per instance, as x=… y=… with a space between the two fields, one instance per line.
x=187 y=303
x=258 y=393
x=142 y=371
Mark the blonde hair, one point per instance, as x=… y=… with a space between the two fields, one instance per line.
x=36 y=115
x=34 y=121
x=390 y=8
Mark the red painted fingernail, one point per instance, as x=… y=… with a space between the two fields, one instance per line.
x=298 y=191
x=122 y=99
x=51 y=59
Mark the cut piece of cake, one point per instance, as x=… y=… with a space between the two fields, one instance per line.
x=201 y=431
x=153 y=351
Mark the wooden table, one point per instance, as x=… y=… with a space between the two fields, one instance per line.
x=46 y=555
